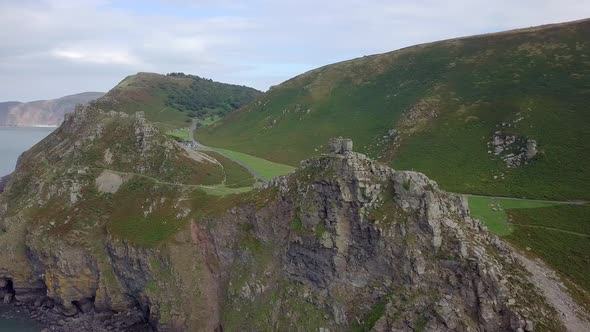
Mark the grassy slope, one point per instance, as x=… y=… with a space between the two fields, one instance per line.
x=267 y=169
x=155 y=95
x=471 y=85
x=182 y=134
x=558 y=233
x=236 y=176
x=493 y=212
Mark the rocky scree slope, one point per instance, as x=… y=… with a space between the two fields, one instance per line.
x=344 y=243
x=500 y=114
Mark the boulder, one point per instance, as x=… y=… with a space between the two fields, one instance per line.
x=340 y=145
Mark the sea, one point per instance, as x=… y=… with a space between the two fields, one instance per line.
x=13 y=319
x=13 y=142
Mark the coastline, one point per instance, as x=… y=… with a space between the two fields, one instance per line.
x=44 y=316
x=17 y=318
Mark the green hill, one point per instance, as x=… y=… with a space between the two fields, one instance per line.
x=172 y=100
x=498 y=114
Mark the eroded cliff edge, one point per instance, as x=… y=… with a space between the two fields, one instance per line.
x=343 y=243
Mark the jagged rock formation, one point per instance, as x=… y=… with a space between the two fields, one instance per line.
x=343 y=243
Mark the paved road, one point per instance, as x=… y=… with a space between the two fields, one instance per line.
x=203 y=147
x=528 y=199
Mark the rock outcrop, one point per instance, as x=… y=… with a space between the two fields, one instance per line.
x=343 y=243
x=514 y=150
x=3 y=182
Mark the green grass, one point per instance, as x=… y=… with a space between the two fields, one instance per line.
x=222 y=190
x=267 y=169
x=182 y=133
x=236 y=176
x=209 y=120
x=567 y=253
x=171 y=101
x=466 y=89
x=492 y=212
x=146 y=232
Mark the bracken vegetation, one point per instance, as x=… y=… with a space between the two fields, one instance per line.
x=435 y=107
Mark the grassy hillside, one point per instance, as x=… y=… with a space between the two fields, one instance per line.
x=172 y=100
x=436 y=108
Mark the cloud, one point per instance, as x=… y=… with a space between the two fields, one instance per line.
x=56 y=47
x=96 y=56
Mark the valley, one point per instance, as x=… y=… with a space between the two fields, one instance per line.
x=439 y=187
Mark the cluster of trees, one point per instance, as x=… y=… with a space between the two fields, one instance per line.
x=204 y=97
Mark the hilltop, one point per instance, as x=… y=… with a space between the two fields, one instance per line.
x=42 y=112
x=499 y=114
x=171 y=101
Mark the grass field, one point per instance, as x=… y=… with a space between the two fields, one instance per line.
x=266 y=169
x=236 y=176
x=493 y=211
x=209 y=120
x=182 y=133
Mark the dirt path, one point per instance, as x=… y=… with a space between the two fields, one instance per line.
x=556 y=293
x=527 y=199
x=191 y=186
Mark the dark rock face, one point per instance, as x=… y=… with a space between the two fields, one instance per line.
x=3 y=182
x=362 y=236
x=343 y=242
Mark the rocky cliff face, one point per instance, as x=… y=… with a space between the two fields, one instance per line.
x=344 y=243
x=3 y=181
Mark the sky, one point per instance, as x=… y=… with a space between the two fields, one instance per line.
x=52 y=48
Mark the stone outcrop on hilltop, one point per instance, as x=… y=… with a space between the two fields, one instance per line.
x=344 y=242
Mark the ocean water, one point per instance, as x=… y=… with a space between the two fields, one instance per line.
x=14 y=141
x=14 y=320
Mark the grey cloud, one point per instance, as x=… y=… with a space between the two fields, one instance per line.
x=56 y=47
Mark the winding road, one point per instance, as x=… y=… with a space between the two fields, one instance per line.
x=528 y=199
x=203 y=147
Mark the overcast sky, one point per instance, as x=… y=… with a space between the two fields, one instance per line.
x=51 y=48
